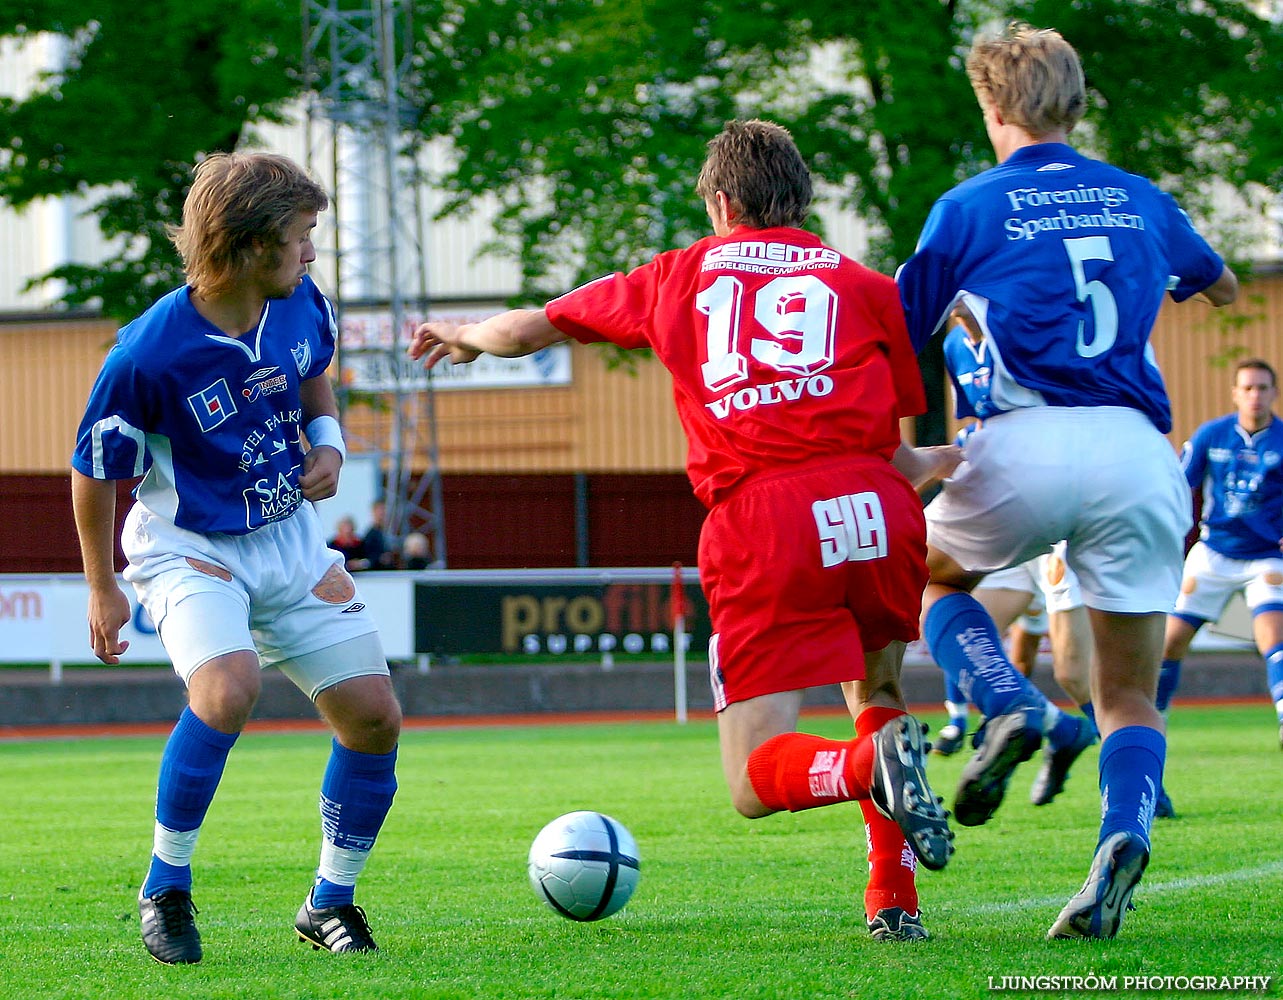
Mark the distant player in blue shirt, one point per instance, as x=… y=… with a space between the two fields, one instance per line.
x=968 y=365
x=1044 y=582
x=1064 y=262
x=217 y=396
x=1237 y=463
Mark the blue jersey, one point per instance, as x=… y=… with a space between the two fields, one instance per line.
x=967 y=363
x=211 y=421
x=1064 y=261
x=1241 y=477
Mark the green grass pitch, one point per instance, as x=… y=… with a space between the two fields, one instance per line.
x=766 y=909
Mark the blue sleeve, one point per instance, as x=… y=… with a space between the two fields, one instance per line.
x=1194 y=264
x=327 y=335
x=1194 y=458
x=927 y=281
x=111 y=442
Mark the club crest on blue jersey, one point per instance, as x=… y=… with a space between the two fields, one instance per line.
x=302 y=357
x=212 y=405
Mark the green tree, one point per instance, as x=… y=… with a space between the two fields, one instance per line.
x=144 y=92
x=1189 y=93
x=587 y=119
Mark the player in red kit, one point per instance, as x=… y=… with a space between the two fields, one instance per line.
x=791 y=367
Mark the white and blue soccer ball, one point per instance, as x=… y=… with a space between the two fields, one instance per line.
x=584 y=865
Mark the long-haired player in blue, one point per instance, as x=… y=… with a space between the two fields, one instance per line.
x=1064 y=262
x=1237 y=462
x=217 y=396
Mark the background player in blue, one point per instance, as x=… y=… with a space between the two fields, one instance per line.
x=967 y=361
x=1064 y=262
x=205 y=396
x=1237 y=462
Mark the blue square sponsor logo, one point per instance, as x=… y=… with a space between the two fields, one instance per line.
x=212 y=405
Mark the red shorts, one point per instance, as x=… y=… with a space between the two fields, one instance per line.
x=805 y=571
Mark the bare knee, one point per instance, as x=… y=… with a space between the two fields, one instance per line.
x=746 y=802
x=223 y=692
x=377 y=732
x=364 y=712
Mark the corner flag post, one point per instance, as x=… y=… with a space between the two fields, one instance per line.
x=678 y=610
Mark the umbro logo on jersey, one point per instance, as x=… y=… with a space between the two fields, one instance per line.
x=260 y=373
x=277 y=383
x=352 y=609
x=212 y=405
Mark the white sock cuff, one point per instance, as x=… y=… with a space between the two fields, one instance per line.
x=174 y=847
x=341 y=865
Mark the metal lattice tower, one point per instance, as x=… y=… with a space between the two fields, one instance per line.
x=361 y=111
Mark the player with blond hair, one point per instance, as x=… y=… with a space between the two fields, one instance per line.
x=1064 y=261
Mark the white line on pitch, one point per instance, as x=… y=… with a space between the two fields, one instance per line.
x=1145 y=889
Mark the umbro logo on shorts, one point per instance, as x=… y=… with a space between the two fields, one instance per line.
x=353 y=609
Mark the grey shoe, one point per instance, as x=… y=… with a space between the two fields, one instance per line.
x=948 y=741
x=901 y=792
x=168 y=922
x=1009 y=740
x=1097 y=910
x=1050 y=781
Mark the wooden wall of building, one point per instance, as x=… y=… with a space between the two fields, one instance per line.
x=47 y=367
x=611 y=419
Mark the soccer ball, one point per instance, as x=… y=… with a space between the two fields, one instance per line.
x=584 y=865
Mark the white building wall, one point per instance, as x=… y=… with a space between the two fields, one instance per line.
x=49 y=232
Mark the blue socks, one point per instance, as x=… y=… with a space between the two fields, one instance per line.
x=356 y=794
x=190 y=770
x=1169 y=678
x=964 y=641
x=1274 y=677
x=1066 y=730
x=1131 y=777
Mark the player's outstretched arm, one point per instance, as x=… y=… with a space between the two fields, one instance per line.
x=512 y=334
x=93 y=502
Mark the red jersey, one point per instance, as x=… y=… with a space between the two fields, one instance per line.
x=781 y=349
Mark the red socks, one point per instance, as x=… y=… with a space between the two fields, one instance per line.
x=892 y=864
x=796 y=771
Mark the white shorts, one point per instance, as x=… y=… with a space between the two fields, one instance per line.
x=1049 y=581
x=1101 y=478
x=1211 y=579
x=279 y=590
